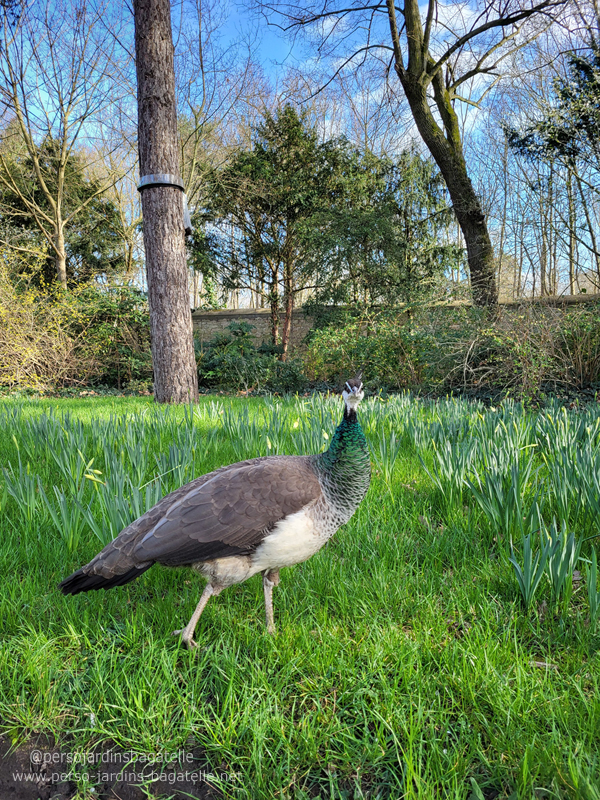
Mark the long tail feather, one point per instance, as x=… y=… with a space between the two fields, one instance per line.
x=80 y=582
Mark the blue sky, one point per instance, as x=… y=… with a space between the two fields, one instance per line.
x=272 y=50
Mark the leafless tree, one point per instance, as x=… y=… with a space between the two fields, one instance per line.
x=439 y=57
x=57 y=85
x=120 y=167
x=217 y=86
x=544 y=216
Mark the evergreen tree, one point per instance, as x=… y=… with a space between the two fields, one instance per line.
x=261 y=200
x=383 y=238
x=343 y=226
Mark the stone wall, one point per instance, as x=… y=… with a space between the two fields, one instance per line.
x=208 y=323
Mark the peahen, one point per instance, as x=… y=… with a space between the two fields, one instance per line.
x=254 y=516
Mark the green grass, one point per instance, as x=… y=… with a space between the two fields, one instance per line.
x=404 y=665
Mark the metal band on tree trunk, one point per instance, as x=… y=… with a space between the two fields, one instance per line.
x=165 y=179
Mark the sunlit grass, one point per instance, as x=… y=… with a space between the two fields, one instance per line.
x=405 y=662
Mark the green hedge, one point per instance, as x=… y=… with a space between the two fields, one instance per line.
x=519 y=351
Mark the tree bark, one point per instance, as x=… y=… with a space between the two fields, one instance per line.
x=60 y=256
x=289 y=308
x=445 y=145
x=572 y=232
x=274 y=306
x=175 y=375
x=466 y=203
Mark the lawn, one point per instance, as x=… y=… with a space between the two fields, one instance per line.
x=406 y=663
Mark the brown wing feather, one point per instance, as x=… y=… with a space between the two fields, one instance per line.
x=226 y=512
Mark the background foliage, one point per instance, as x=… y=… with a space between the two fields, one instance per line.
x=523 y=352
x=88 y=335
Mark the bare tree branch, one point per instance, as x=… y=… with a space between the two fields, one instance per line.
x=56 y=65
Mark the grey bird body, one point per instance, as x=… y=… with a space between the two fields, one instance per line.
x=254 y=516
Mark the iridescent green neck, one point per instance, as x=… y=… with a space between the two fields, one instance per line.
x=348 y=448
x=345 y=469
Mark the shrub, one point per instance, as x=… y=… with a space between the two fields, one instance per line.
x=511 y=352
x=288 y=376
x=518 y=351
x=37 y=347
x=521 y=351
x=113 y=326
x=88 y=335
x=578 y=346
x=390 y=351
x=231 y=361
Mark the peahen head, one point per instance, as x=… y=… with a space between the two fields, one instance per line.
x=353 y=393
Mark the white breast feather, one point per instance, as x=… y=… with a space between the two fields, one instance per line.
x=294 y=539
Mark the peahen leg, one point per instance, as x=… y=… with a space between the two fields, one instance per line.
x=188 y=631
x=270 y=579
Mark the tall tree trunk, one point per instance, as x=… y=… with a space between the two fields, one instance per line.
x=288 y=289
x=60 y=255
x=544 y=250
x=274 y=305
x=552 y=237
x=449 y=157
x=572 y=231
x=445 y=146
x=500 y=275
x=175 y=375
x=590 y=226
x=129 y=263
